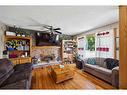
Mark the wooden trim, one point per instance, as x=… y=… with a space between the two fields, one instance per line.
x=30 y=46
x=17 y=37
x=123 y=47
x=115 y=31
x=80 y=38
x=19 y=58
x=62 y=48
x=41 y=47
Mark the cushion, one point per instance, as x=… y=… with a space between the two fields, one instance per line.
x=100 y=62
x=104 y=65
x=91 y=61
x=23 y=84
x=104 y=71
x=91 y=66
x=99 y=69
x=17 y=77
x=23 y=67
x=111 y=63
x=6 y=69
x=4 y=78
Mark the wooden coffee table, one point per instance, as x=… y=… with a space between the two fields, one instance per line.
x=61 y=74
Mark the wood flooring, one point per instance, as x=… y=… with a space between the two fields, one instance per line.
x=42 y=79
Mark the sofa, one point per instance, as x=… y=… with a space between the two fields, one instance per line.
x=15 y=77
x=100 y=70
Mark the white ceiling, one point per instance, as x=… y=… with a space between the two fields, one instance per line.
x=71 y=19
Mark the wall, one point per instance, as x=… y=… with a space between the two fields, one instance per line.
x=33 y=32
x=2 y=29
x=96 y=30
x=87 y=53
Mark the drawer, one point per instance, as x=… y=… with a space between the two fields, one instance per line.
x=61 y=76
x=24 y=60
x=15 y=61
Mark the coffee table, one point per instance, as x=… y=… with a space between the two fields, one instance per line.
x=61 y=74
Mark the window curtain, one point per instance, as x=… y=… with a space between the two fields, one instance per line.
x=105 y=44
x=81 y=47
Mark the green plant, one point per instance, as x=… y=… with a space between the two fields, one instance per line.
x=91 y=42
x=12 y=43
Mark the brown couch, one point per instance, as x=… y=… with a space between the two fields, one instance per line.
x=100 y=70
x=15 y=77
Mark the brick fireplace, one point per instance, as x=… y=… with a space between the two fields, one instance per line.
x=46 y=52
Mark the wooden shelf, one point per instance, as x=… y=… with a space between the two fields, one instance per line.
x=20 y=58
x=40 y=47
x=19 y=51
x=67 y=50
x=17 y=37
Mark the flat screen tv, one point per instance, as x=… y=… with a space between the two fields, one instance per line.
x=46 y=39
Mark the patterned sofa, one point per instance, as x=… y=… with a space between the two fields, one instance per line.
x=15 y=77
x=101 y=71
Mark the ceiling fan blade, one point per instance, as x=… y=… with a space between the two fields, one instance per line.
x=47 y=27
x=57 y=29
x=58 y=32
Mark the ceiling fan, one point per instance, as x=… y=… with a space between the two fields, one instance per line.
x=46 y=28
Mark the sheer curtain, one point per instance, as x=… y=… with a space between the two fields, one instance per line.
x=105 y=44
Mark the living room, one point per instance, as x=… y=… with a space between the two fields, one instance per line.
x=54 y=47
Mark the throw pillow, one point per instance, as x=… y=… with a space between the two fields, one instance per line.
x=104 y=65
x=91 y=61
x=111 y=63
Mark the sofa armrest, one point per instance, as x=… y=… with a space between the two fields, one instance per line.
x=23 y=66
x=26 y=67
x=115 y=76
x=84 y=62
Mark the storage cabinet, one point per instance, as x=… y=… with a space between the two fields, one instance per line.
x=18 y=46
x=60 y=75
x=20 y=51
x=20 y=60
x=24 y=60
x=15 y=61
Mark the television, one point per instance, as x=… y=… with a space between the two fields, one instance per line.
x=47 y=39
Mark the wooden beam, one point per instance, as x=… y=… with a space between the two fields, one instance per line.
x=123 y=47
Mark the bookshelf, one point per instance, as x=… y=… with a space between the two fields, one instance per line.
x=19 y=48
x=68 y=50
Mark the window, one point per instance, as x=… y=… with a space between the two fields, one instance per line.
x=90 y=44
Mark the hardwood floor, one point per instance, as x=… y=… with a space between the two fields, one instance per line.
x=42 y=79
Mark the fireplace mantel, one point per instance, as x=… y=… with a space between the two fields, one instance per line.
x=39 y=47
